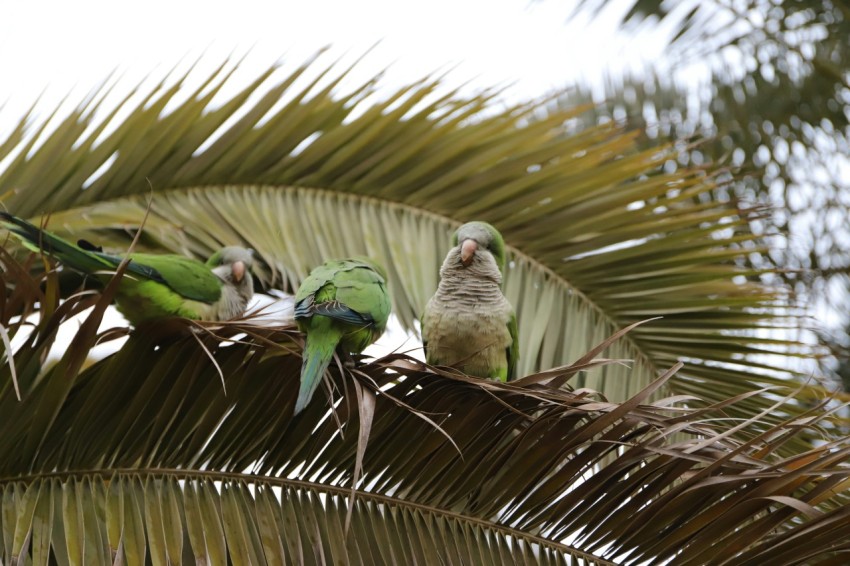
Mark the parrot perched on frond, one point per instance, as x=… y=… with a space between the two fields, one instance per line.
x=154 y=285
x=342 y=306
x=468 y=323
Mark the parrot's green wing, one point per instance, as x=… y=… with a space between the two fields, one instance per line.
x=423 y=333
x=338 y=311
x=318 y=278
x=187 y=277
x=363 y=291
x=356 y=294
x=513 y=349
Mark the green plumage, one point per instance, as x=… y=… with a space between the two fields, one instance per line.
x=343 y=305
x=153 y=286
x=512 y=352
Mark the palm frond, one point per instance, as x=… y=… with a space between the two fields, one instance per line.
x=143 y=453
x=599 y=235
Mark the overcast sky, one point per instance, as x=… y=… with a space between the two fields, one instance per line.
x=71 y=46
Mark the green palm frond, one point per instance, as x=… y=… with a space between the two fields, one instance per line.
x=143 y=454
x=598 y=234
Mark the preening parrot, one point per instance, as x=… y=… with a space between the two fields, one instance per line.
x=343 y=305
x=154 y=285
x=468 y=323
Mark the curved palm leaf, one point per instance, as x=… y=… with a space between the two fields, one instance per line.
x=598 y=235
x=143 y=454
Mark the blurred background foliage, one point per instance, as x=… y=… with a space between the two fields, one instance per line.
x=763 y=87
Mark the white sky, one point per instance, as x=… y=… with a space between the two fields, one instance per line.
x=65 y=45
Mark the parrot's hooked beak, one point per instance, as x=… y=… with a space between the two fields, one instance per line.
x=238 y=269
x=467 y=251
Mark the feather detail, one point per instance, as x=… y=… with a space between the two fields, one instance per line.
x=318 y=353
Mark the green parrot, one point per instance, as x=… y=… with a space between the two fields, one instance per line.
x=468 y=323
x=343 y=305
x=154 y=285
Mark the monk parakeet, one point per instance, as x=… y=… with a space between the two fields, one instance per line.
x=154 y=285
x=343 y=306
x=468 y=323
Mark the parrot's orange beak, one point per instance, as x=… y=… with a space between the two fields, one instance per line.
x=467 y=251
x=238 y=269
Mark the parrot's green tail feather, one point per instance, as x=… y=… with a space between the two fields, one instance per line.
x=317 y=357
x=37 y=240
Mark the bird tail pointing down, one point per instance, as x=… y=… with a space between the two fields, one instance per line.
x=318 y=354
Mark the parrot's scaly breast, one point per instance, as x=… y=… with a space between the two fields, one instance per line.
x=466 y=321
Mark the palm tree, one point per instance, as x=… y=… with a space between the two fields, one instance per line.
x=695 y=446
x=774 y=110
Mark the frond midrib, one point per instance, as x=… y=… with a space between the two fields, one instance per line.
x=274 y=481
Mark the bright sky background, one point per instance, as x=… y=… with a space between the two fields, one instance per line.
x=55 y=49
x=62 y=46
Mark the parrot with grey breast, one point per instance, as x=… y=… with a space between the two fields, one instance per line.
x=468 y=323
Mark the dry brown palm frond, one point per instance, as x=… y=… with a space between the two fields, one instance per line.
x=143 y=454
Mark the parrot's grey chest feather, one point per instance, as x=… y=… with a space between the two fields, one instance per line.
x=232 y=303
x=234 y=296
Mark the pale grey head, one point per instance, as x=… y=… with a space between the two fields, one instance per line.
x=478 y=251
x=232 y=265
